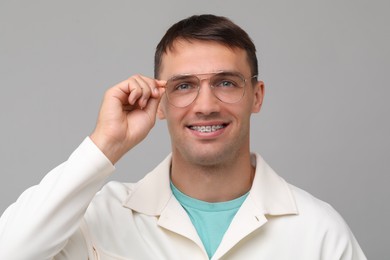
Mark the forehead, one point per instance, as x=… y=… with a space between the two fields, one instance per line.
x=202 y=57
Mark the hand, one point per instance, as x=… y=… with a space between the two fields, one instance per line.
x=127 y=114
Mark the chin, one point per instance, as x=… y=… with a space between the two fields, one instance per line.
x=209 y=158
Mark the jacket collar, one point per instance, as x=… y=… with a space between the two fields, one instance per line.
x=152 y=193
x=270 y=194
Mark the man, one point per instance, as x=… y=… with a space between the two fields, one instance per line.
x=210 y=199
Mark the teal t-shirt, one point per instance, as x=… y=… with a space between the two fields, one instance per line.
x=211 y=220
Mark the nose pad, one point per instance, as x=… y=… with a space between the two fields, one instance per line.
x=206 y=102
x=206 y=91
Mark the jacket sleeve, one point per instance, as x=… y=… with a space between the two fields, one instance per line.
x=44 y=218
x=338 y=241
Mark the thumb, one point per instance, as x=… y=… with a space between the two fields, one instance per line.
x=152 y=105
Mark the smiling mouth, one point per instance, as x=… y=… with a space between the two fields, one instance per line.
x=207 y=128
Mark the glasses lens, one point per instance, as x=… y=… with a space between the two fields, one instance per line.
x=228 y=87
x=182 y=90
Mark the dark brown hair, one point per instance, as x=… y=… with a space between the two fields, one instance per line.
x=207 y=27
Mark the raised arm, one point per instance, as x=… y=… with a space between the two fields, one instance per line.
x=39 y=224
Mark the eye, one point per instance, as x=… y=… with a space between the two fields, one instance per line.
x=226 y=84
x=226 y=80
x=184 y=86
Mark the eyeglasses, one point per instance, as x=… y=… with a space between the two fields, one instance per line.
x=228 y=87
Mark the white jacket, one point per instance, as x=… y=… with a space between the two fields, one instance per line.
x=65 y=218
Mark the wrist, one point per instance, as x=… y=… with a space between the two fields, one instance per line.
x=112 y=151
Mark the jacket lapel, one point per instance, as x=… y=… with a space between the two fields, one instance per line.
x=269 y=195
x=175 y=218
x=153 y=196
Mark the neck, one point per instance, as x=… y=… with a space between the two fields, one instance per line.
x=213 y=183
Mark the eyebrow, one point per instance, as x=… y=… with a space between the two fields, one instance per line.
x=186 y=75
x=181 y=76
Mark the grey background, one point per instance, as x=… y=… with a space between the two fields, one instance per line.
x=324 y=125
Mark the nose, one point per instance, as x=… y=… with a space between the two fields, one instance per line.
x=206 y=102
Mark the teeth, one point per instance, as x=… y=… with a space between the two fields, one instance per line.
x=207 y=128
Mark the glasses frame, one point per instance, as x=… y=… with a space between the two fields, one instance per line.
x=244 y=80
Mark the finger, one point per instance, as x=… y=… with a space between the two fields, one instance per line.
x=135 y=91
x=155 y=85
x=152 y=106
x=161 y=83
x=146 y=90
x=130 y=90
x=155 y=89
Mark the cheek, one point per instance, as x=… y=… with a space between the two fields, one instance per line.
x=175 y=126
x=174 y=116
x=244 y=112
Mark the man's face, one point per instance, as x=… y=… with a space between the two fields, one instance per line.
x=230 y=123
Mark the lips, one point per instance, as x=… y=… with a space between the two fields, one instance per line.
x=207 y=128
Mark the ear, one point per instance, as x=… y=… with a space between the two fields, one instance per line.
x=258 y=95
x=160 y=111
